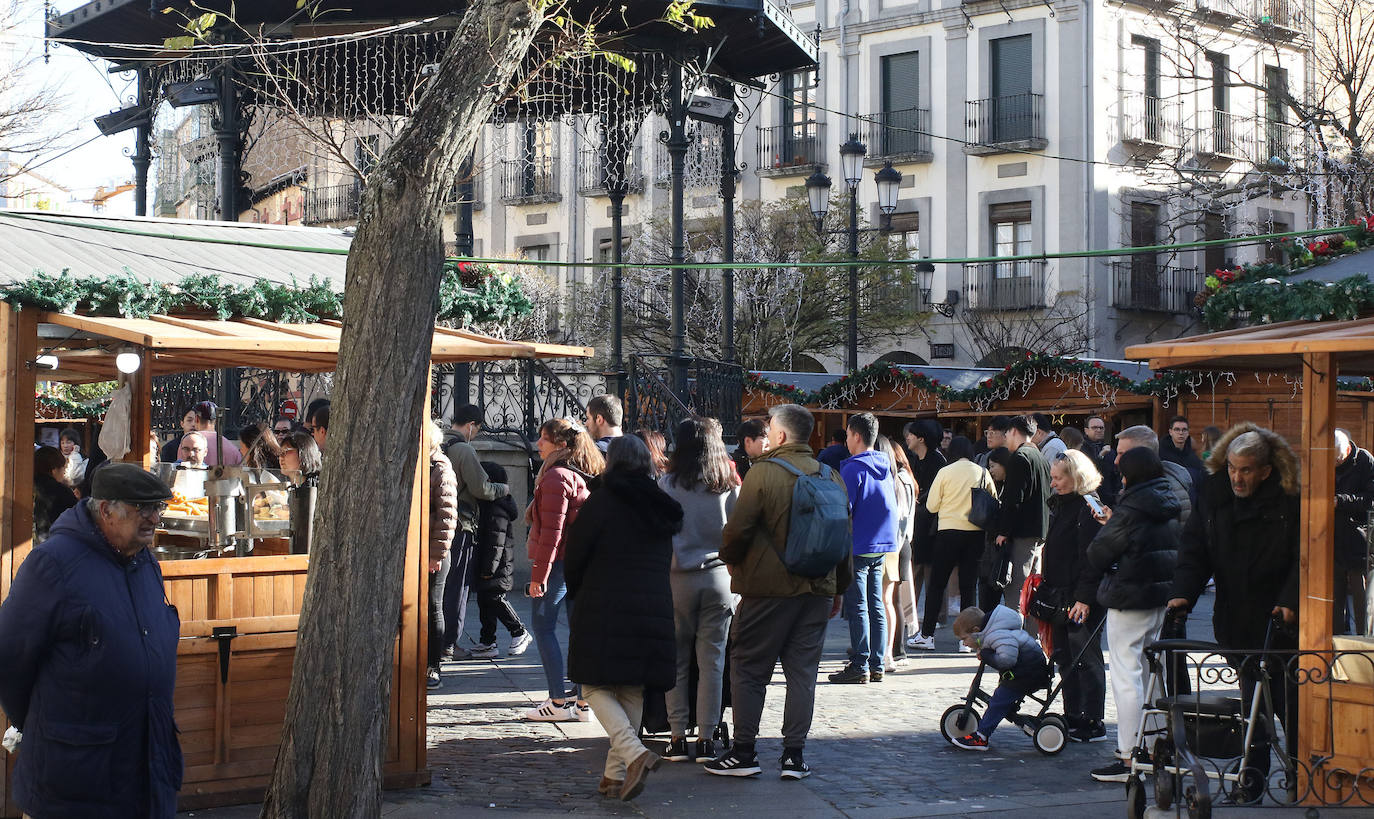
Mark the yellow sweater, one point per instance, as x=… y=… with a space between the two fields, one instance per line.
x=951 y=493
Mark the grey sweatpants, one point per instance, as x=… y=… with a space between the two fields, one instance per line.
x=702 y=608
x=766 y=630
x=1025 y=556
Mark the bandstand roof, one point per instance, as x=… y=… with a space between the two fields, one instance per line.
x=1269 y=347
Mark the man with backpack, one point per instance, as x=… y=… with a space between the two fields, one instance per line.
x=788 y=547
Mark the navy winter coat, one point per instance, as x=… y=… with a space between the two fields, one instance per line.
x=87 y=666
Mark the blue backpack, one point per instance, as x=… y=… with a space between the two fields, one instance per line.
x=818 y=533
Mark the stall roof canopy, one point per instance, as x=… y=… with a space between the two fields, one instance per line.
x=166 y=250
x=1270 y=347
x=87 y=345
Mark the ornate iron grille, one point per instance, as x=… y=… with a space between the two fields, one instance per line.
x=516 y=395
x=245 y=395
x=713 y=388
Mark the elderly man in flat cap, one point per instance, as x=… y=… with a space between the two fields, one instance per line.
x=88 y=659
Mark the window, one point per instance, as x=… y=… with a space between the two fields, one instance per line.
x=1221 y=69
x=1146 y=289
x=1146 y=51
x=1013 y=108
x=537 y=150
x=1011 y=236
x=1276 y=113
x=1274 y=251
x=367 y=152
x=901 y=74
x=1214 y=257
x=797 y=142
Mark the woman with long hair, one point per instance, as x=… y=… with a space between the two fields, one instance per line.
x=570 y=462
x=701 y=479
x=264 y=451
x=923 y=440
x=897 y=565
x=658 y=448
x=51 y=495
x=620 y=642
x=959 y=541
x=299 y=453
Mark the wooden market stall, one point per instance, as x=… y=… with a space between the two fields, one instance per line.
x=1336 y=707
x=238 y=614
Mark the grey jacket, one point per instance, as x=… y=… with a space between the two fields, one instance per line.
x=473 y=485
x=704 y=513
x=1181 y=486
x=1004 y=634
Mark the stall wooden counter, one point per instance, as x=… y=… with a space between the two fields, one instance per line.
x=238 y=614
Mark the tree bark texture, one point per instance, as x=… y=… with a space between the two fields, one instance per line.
x=329 y=763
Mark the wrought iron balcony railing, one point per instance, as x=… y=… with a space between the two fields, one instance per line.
x=1283 y=14
x=1151 y=121
x=791 y=148
x=1146 y=282
x=999 y=120
x=1221 y=134
x=893 y=134
x=593 y=172
x=530 y=180
x=336 y=203
x=1276 y=144
x=1011 y=285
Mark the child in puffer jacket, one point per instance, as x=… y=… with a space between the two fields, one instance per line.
x=1001 y=642
x=493 y=564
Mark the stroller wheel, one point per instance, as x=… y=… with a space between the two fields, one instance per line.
x=1166 y=783
x=1199 y=804
x=1135 y=798
x=959 y=721
x=1051 y=735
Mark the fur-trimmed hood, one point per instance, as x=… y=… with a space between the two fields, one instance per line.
x=1285 y=460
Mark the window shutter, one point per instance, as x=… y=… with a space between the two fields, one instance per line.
x=1012 y=66
x=901 y=82
x=1010 y=212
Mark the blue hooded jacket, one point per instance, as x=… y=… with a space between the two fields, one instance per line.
x=872 y=502
x=88 y=651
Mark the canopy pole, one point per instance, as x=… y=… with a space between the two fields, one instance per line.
x=1317 y=545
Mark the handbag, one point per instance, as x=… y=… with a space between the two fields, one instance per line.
x=1045 y=603
x=983 y=506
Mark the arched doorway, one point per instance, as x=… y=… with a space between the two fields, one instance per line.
x=1002 y=357
x=901 y=357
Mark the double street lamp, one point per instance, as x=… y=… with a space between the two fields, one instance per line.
x=888 y=179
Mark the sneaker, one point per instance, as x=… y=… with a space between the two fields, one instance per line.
x=580 y=712
x=485 y=651
x=705 y=751
x=677 y=750
x=734 y=763
x=1094 y=731
x=922 y=642
x=520 y=644
x=549 y=711
x=875 y=676
x=793 y=766
x=972 y=742
x=849 y=674
x=1118 y=771
x=432 y=679
x=457 y=653
x=964 y=649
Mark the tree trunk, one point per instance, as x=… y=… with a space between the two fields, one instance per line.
x=330 y=759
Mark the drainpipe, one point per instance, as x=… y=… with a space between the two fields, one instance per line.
x=1089 y=169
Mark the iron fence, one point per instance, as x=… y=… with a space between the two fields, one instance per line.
x=594 y=172
x=783 y=147
x=1151 y=120
x=654 y=400
x=244 y=395
x=899 y=133
x=524 y=181
x=516 y=395
x=336 y=203
x=1146 y=282
x=1014 y=118
x=1221 y=133
x=1013 y=285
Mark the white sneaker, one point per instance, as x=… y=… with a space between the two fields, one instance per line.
x=521 y=644
x=485 y=652
x=964 y=649
x=579 y=713
x=549 y=712
x=922 y=642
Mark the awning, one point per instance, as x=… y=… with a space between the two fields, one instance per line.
x=1268 y=348
x=86 y=346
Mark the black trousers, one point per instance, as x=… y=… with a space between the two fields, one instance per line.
x=1085 y=682
x=437 y=580
x=456 y=588
x=953 y=548
x=493 y=607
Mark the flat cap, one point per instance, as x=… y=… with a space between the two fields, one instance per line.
x=128 y=482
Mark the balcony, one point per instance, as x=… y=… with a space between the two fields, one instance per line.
x=1000 y=124
x=529 y=181
x=1146 y=283
x=1151 y=123
x=701 y=167
x=593 y=173
x=1222 y=11
x=997 y=286
x=898 y=136
x=1221 y=136
x=336 y=203
x=788 y=150
x=1276 y=145
x=1285 y=17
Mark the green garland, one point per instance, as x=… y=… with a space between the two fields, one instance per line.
x=1162 y=384
x=67 y=408
x=468 y=294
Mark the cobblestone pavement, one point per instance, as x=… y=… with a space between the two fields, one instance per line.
x=875 y=749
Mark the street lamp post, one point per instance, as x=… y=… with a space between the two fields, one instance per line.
x=852 y=155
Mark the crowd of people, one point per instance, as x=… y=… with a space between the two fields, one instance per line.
x=677 y=570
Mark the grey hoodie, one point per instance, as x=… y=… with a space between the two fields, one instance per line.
x=704 y=513
x=1003 y=633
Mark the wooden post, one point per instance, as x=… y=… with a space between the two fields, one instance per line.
x=19 y=329
x=140 y=410
x=1318 y=544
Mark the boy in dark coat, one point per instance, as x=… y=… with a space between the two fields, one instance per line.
x=493 y=564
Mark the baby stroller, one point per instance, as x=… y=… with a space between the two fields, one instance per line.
x=1205 y=733
x=1049 y=732
x=655 y=719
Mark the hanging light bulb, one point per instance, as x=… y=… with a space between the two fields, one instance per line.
x=128 y=361
x=47 y=361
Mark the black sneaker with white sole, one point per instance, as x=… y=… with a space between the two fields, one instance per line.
x=734 y=763
x=677 y=750
x=704 y=750
x=793 y=766
x=1118 y=771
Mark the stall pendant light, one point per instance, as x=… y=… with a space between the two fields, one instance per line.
x=47 y=361
x=128 y=361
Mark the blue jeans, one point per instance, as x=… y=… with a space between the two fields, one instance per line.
x=544 y=626
x=863 y=603
x=1002 y=702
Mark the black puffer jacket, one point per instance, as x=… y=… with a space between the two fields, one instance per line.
x=494 y=557
x=1354 y=497
x=1141 y=541
x=618 y=555
x=1072 y=528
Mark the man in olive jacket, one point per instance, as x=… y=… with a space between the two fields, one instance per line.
x=1024 y=517
x=781 y=616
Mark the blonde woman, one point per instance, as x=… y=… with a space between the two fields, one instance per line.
x=958 y=542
